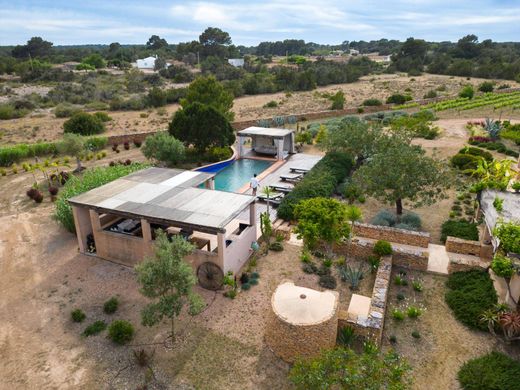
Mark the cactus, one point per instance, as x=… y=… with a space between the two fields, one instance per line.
x=263 y=123
x=279 y=121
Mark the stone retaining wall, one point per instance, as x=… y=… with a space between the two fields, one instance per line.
x=468 y=247
x=372 y=327
x=399 y=236
x=460 y=262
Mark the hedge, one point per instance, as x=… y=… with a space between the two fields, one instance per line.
x=460 y=229
x=13 y=154
x=495 y=371
x=469 y=294
x=92 y=178
x=321 y=180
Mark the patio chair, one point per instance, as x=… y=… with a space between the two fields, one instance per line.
x=272 y=197
x=299 y=170
x=292 y=177
x=281 y=188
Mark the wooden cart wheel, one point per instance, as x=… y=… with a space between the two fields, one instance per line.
x=210 y=276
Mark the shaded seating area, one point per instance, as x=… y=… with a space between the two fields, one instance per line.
x=119 y=221
x=267 y=142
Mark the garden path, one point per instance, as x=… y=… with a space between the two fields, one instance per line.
x=438 y=259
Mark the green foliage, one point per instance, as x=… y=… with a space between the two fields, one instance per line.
x=209 y=92
x=486 y=86
x=103 y=116
x=467 y=92
x=121 y=331
x=94 y=143
x=382 y=248
x=276 y=246
x=110 y=306
x=320 y=181
x=321 y=219
x=95 y=328
x=495 y=371
x=502 y=266
x=338 y=101
x=16 y=153
x=509 y=235
x=465 y=161
x=498 y=204
x=66 y=110
x=413 y=312
x=163 y=147
x=168 y=280
x=271 y=104
x=8 y=111
x=460 y=229
x=95 y=60
x=343 y=368
x=327 y=281
x=304 y=137
x=416 y=334
x=372 y=102
x=92 y=178
x=353 y=276
x=416 y=126
x=469 y=294
x=78 y=315
x=201 y=126
x=83 y=124
x=397 y=98
x=398 y=315
x=431 y=94
x=417 y=285
x=346 y=336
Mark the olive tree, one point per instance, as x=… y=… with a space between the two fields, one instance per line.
x=164 y=148
x=399 y=171
x=73 y=145
x=168 y=280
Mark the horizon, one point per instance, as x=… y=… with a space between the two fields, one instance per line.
x=130 y=23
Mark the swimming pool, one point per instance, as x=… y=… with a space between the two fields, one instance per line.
x=238 y=173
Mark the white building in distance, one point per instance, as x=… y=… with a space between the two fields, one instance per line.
x=236 y=62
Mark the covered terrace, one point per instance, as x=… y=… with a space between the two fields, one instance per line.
x=118 y=221
x=266 y=141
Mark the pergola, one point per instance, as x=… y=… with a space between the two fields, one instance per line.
x=118 y=221
x=274 y=142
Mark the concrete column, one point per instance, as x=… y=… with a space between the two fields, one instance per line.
x=292 y=149
x=83 y=226
x=221 y=243
x=280 y=149
x=240 y=146
x=212 y=183
x=252 y=214
x=147 y=237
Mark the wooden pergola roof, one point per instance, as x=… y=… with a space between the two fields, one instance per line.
x=167 y=196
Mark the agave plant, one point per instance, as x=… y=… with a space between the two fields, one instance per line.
x=510 y=323
x=346 y=336
x=492 y=127
x=351 y=275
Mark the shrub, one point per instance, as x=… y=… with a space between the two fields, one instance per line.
x=253 y=282
x=309 y=268
x=486 y=86
x=384 y=218
x=94 y=328
x=83 y=124
x=372 y=102
x=397 y=98
x=305 y=257
x=65 y=110
x=338 y=101
x=398 y=315
x=31 y=192
x=111 y=305
x=460 y=229
x=413 y=312
x=327 y=281
x=416 y=334
x=12 y=154
x=271 y=104
x=96 y=143
x=492 y=371
x=477 y=152
x=276 y=246
x=400 y=296
x=320 y=181
x=464 y=161
x=412 y=220
x=255 y=275
x=165 y=148
x=467 y=92
x=502 y=266
x=469 y=294
x=102 y=116
x=430 y=94
x=245 y=286
x=121 y=331
x=78 y=315
x=382 y=248
x=53 y=190
x=509 y=236
x=38 y=197
x=92 y=178
x=346 y=336
x=417 y=286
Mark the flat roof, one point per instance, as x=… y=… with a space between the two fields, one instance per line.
x=265 y=131
x=168 y=196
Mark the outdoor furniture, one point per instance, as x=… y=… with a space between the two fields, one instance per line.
x=272 y=197
x=281 y=188
x=291 y=177
x=299 y=170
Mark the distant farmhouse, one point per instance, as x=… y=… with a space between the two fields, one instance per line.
x=147 y=63
x=236 y=62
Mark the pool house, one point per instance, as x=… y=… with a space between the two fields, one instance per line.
x=278 y=143
x=119 y=221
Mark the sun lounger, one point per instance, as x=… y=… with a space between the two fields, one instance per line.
x=272 y=197
x=298 y=170
x=272 y=201
x=281 y=188
x=291 y=177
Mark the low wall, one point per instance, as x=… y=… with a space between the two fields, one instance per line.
x=415 y=258
x=399 y=236
x=468 y=247
x=372 y=326
x=459 y=262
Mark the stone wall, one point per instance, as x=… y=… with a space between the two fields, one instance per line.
x=399 y=236
x=372 y=326
x=289 y=341
x=459 y=262
x=411 y=257
x=468 y=247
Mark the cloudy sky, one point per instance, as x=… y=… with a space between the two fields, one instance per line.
x=253 y=21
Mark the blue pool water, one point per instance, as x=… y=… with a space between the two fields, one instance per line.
x=238 y=173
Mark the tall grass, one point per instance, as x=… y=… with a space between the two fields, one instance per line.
x=92 y=178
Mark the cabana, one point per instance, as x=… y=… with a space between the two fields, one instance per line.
x=118 y=221
x=273 y=142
